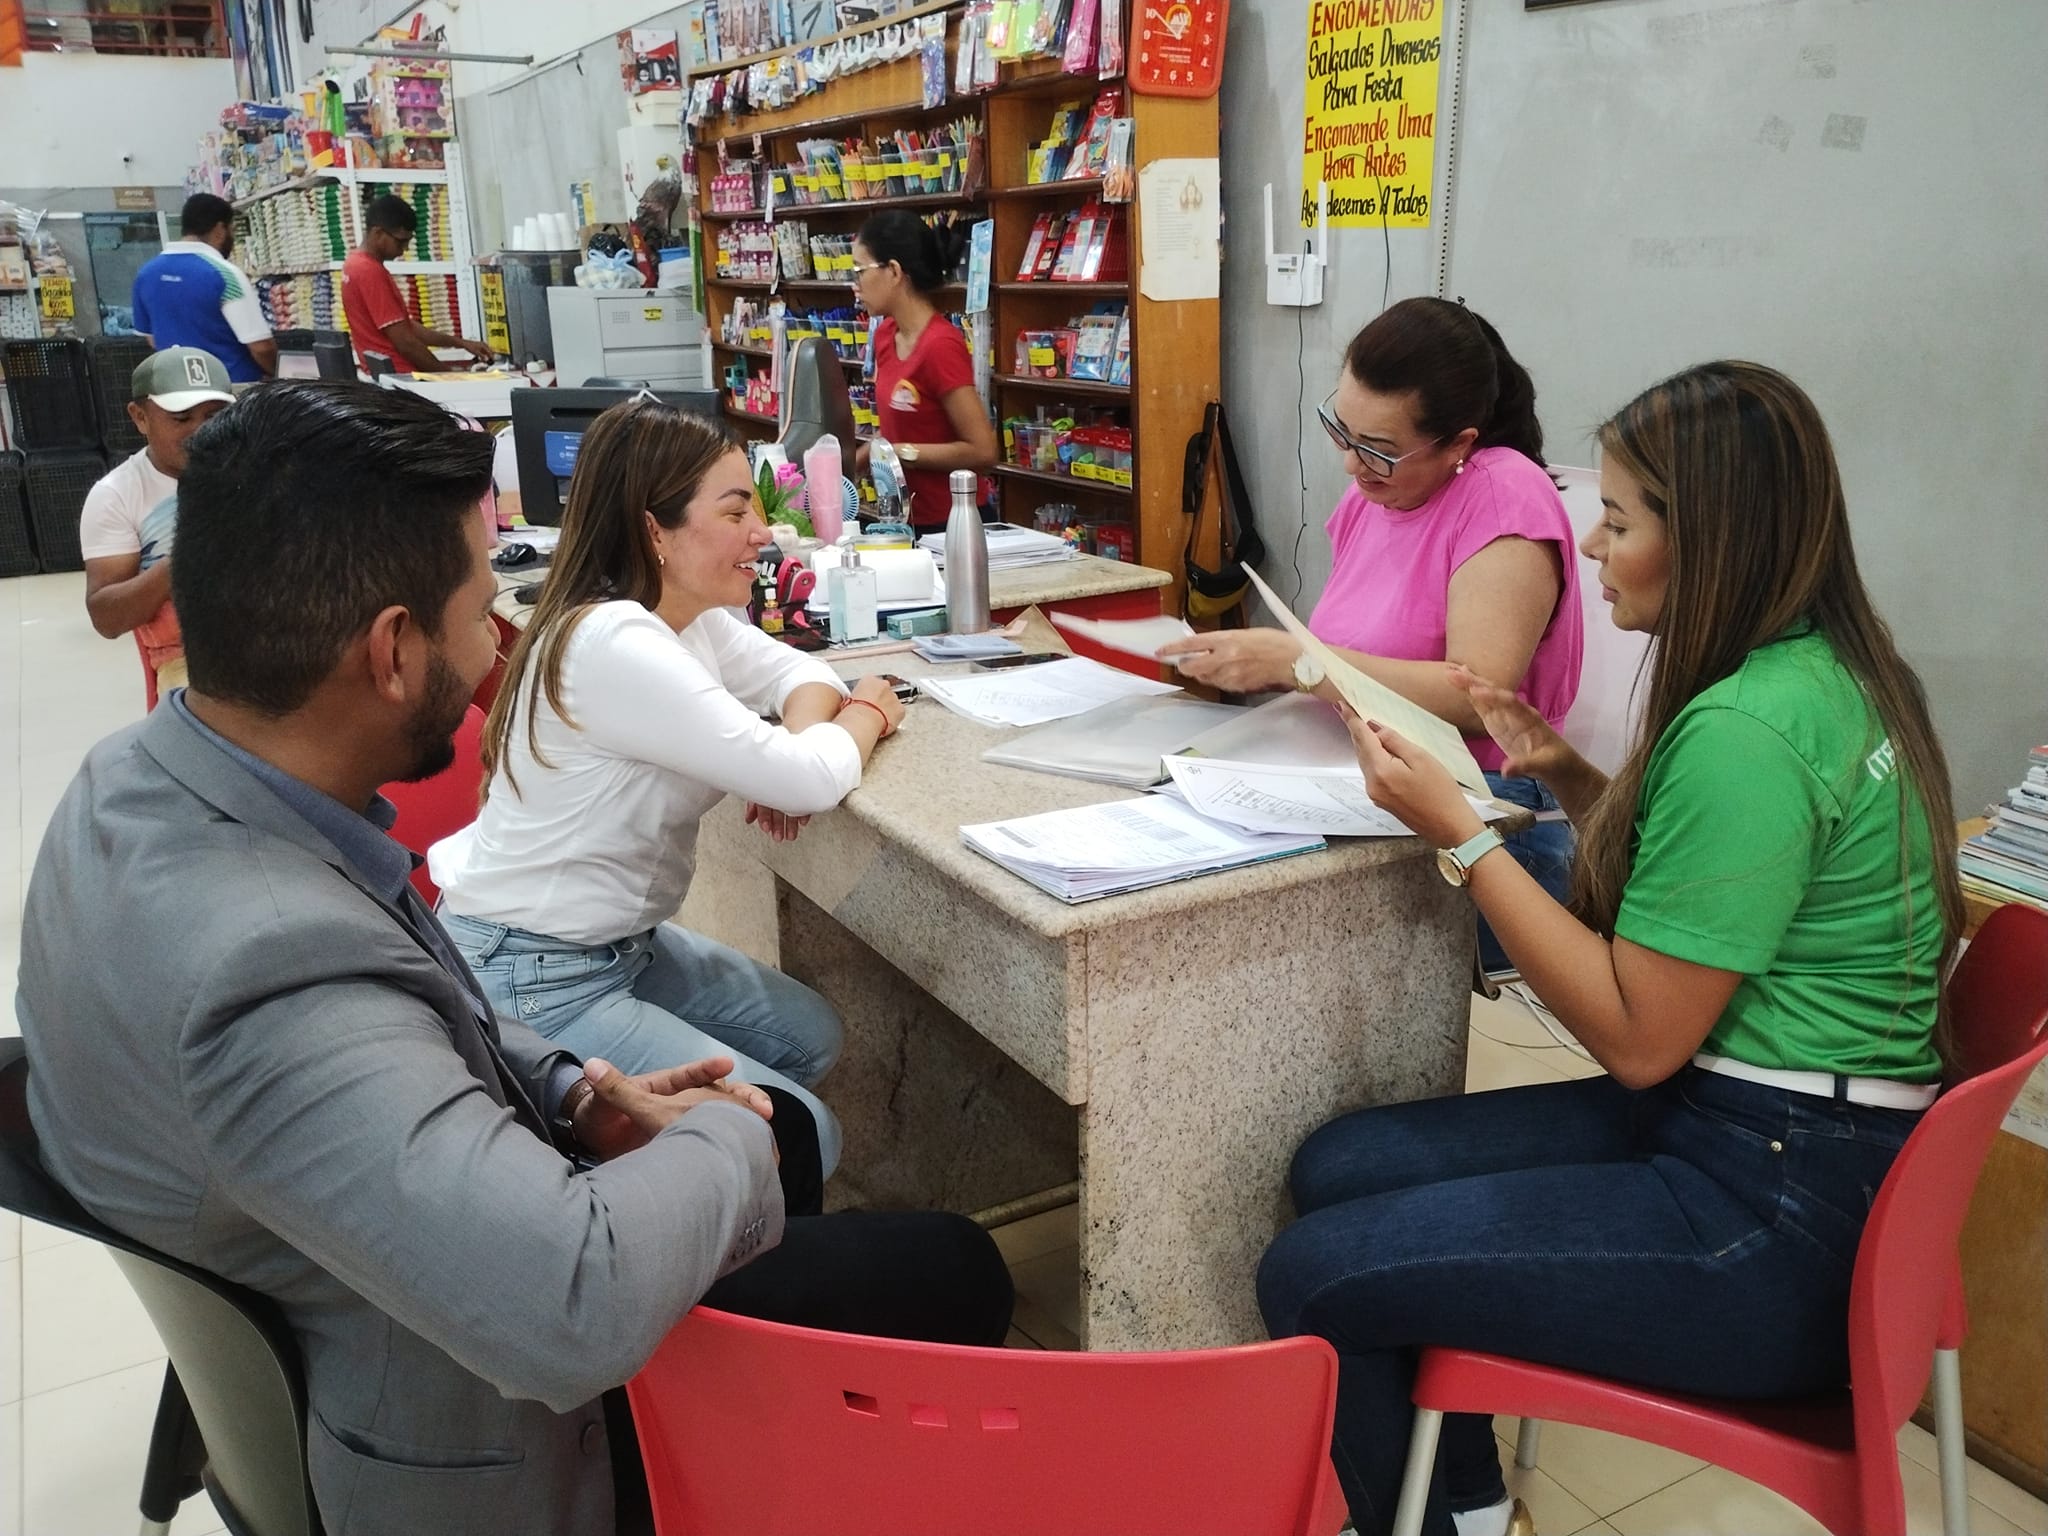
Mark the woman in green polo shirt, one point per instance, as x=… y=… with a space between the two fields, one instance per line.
x=1762 y=913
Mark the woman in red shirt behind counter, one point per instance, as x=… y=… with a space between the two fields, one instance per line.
x=924 y=377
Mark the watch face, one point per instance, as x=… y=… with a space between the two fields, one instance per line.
x=1448 y=866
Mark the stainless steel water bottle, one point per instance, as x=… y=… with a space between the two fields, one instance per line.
x=966 y=559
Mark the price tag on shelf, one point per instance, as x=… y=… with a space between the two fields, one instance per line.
x=57 y=300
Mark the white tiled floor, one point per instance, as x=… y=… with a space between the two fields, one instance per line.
x=80 y=1364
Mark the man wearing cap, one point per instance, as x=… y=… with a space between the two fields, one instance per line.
x=125 y=530
x=191 y=295
x=378 y=322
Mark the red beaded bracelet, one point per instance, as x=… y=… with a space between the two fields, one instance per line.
x=888 y=730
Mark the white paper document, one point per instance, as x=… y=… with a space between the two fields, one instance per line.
x=1009 y=547
x=1180 y=230
x=1374 y=700
x=1133 y=637
x=1263 y=797
x=1050 y=690
x=1125 y=845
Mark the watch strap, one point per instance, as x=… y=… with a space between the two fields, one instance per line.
x=1476 y=847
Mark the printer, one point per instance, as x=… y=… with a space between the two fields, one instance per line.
x=644 y=335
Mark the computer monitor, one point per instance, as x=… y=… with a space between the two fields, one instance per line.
x=547 y=431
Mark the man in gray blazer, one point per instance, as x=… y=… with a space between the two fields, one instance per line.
x=252 y=1047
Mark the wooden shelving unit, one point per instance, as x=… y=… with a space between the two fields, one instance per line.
x=1175 y=347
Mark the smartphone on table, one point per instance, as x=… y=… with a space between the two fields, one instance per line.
x=998 y=663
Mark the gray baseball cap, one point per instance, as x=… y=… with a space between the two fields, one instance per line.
x=179 y=378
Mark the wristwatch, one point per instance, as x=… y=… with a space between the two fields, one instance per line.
x=1455 y=864
x=564 y=1122
x=1308 y=673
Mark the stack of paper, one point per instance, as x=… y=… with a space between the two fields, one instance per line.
x=1133 y=637
x=1374 y=700
x=1009 y=546
x=2008 y=860
x=1126 y=845
x=966 y=647
x=1032 y=695
x=1266 y=797
x=1120 y=742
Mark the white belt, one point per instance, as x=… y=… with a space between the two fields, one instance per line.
x=1877 y=1092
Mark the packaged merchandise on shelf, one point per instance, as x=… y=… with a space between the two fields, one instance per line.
x=832 y=257
x=308 y=301
x=745 y=252
x=1094 y=346
x=1061 y=440
x=1120 y=359
x=434 y=232
x=736 y=188
x=1047 y=159
x=938 y=161
x=1092 y=152
x=1119 y=166
x=294 y=232
x=1084 y=348
x=412 y=111
x=792 y=248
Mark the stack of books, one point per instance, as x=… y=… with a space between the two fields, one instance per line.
x=2008 y=860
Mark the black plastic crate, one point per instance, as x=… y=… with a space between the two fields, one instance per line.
x=113 y=361
x=58 y=479
x=17 y=549
x=49 y=387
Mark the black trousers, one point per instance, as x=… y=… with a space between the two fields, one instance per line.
x=927 y=1275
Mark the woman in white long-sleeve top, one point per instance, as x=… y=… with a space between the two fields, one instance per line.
x=634 y=703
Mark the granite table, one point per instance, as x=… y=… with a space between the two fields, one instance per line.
x=1169 y=1048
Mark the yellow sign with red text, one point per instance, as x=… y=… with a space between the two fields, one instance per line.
x=1369 y=111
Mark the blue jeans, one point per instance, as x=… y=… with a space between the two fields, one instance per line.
x=1694 y=1237
x=659 y=999
x=1545 y=850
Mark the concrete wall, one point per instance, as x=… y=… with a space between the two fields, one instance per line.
x=1644 y=184
x=70 y=121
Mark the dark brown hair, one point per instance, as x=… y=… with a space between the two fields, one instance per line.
x=1457 y=368
x=639 y=456
x=898 y=235
x=1735 y=460
x=304 y=511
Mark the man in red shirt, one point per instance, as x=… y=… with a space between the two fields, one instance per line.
x=378 y=322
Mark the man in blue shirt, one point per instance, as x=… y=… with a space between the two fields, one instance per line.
x=193 y=296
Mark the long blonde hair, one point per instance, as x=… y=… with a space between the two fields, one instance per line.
x=639 y=456
x=1735 y=460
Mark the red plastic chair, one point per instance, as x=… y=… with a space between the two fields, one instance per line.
x=758 y=1429
x=148 y=674
x=1834 y=1456
x=435 y=808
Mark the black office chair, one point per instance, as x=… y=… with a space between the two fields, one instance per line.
x=232 y=1417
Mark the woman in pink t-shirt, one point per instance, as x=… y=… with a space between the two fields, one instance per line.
x=1450 y=544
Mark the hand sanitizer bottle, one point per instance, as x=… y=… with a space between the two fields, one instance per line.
x=850 y=595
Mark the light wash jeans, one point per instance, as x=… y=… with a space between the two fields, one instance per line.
x=1545 y=850
x=659 y=999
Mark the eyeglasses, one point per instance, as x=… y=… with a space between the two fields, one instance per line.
x=861 y=272
x=1376 y=459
